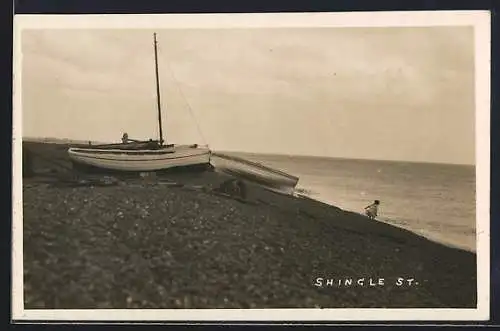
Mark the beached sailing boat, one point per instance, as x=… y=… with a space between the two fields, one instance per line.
x=141 y=156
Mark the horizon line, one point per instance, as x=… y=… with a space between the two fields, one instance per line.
x=351 y=158
x=80 y=141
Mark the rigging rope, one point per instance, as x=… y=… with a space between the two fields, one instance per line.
x=187 y=102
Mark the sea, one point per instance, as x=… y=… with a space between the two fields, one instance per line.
x=437 y=201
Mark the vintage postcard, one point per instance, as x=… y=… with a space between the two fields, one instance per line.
x=251 y=167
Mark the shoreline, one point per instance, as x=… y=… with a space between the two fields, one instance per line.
x=148 y=244
x=431 y=237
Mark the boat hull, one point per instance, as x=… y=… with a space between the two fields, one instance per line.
x=270 y=178
x=140 y=160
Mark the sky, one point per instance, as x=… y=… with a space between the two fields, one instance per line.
x=373 y=93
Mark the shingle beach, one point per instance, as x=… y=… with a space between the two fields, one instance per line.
x=147 y=243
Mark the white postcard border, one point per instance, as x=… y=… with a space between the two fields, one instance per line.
x=479 y=19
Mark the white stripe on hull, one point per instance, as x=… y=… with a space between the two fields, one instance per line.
x=124 y=161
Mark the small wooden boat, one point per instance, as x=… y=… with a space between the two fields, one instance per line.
x=140 y=156
x=273 y=179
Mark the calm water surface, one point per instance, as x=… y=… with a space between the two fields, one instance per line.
x=434 y=200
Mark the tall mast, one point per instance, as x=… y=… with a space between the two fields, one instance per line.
x=158 y=89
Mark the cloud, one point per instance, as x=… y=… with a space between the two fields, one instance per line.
x=267 y=90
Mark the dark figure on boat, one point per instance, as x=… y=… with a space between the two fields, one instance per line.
x=150 y=144
x=125 y=139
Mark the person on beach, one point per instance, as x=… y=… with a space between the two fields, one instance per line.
x=372 y=210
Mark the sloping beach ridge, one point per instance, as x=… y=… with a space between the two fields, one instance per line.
x=174 y=242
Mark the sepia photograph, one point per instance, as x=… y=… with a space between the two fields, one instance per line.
x=221 y=167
